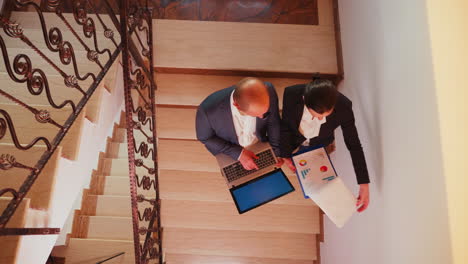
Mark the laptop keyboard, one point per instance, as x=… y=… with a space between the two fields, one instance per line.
x=235 y=171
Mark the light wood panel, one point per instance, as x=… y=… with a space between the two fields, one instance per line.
x=84 y=65
x=187 y=155
x=224 y=216
x=325 y=8
x=107 y=227
x=9 y=244
x=41 y=192
x=240 y=243
x=84 y=251
x=204 y=259
x=111 y=205
x=176 y=123
x=30 y=20
x=244 y=46
x=192 y=89
x=59 y=92
x=119 y=167
x=28 y=128
x=114 y=185
x=37 y=37
x=211 y=186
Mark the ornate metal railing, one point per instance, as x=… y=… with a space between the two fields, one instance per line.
x=34 y=60
x=137 y=53
x=56 y=54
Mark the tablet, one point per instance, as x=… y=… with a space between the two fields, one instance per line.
x=261 y=190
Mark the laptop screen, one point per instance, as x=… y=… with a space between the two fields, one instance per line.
x=261 y=190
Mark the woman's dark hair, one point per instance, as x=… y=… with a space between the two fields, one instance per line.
x=320 y=95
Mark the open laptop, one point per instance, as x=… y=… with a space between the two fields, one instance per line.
x=253 y=188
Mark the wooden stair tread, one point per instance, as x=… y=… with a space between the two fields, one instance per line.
x=197 y=87
x=240 y=243
x=224 y=216
x=211 y=187
x=110 y=227
x=10 y=244
x=29 y=20
x=36 y=35
x=207 y=259
x=94 y=250
x=223 y=46
x=38 y=62
x=59 y=92
x=41 y=192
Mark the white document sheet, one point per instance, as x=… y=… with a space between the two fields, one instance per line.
x=320 y=183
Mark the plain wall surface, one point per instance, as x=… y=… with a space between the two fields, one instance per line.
x=448 y=27
x=389 y=78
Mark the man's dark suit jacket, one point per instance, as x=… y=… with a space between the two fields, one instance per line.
x=342 y=115
x=215 y=127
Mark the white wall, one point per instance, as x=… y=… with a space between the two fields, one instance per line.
x=448 y=25
x=388 y=75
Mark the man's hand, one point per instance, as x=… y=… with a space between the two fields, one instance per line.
x=280 y=162
x=290 y=164
x=247 y=160
x=363 y=198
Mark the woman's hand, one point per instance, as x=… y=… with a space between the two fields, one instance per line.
x=290 y=164
x=363 y=198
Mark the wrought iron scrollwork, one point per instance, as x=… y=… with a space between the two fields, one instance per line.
x=22 y=70
x=140 y=116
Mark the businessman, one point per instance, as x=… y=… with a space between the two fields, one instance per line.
x=236 y=117
x=311 y=113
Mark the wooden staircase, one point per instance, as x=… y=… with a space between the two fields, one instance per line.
x=200 y=221
x=42 y=207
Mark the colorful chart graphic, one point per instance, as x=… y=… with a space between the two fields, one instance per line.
x=304 y=173
x=302 y=162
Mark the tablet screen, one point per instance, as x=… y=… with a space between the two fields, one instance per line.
x=261 y=190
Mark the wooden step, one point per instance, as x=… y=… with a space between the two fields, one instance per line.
x=37 y=37
x=106 y=205
x=28 y=128
x=59 y=92
x=84 y=65
x=215 y=45
x=240 y=243
x=183 y=155
x=107 y=227
x=30 y=20
x=191 y=186
x=119 y=167
x=82 y=251
x=114 y=185
x=197 y=87
x=187 y=155
x=224 y=216
x=26 y=125
x=9 y=245
x=205 y=259
x=41 y=192
x=271 y=217
x=120 y=135
x=176 y=123
x=211 y=186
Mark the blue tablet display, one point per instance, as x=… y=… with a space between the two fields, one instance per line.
x=261 y=190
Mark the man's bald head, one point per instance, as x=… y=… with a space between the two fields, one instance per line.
x=251 y=97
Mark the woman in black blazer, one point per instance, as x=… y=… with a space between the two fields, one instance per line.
x=311 y=113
